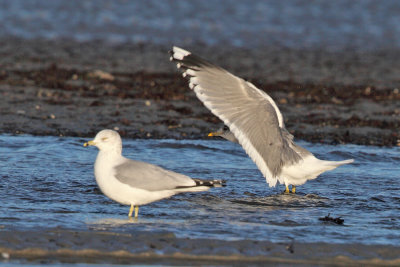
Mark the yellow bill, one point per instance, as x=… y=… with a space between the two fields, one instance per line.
x=90 y=143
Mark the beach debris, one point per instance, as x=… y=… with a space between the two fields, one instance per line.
x=328 y=218
x=125 y=121
x=174 y=126
x=44 y=93
x=147 y=103
x=5 y=255
x=52 y=116
x=283 y=101
x=99 y=74
x=336 y=101
x=367 y=91
x=290 y=247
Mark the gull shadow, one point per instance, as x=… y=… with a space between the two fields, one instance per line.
x=284 y=200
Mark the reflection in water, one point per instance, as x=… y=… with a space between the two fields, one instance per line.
x=106 y=223
x=47 y=184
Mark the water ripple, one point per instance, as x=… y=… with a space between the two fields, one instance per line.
x=49 y=182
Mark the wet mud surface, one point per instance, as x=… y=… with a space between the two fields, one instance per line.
x=76 y=89
x=58 y=245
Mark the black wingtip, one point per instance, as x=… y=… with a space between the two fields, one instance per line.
x=210 y=183
x=190 y=61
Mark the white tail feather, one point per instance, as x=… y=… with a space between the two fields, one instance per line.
x=309 y=169
x=193 y=189
x=337 y=163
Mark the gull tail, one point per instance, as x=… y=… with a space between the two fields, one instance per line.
x=335 y=164
x=310 y=168
x=327 y=165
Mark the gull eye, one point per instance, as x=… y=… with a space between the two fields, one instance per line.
x=226 y=128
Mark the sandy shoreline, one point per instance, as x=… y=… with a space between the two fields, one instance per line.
x=54 y=88
x=58 y=245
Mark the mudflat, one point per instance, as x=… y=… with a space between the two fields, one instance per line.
x=57 y=245
x=71 y=88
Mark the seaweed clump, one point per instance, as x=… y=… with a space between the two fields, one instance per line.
x=328 y=218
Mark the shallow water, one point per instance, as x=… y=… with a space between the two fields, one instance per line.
x=48 y=182
x=337 y=24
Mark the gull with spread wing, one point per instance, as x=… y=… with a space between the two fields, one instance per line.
x=254 y=121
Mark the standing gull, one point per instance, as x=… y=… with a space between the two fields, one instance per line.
x=137 y=183
x=254 y=120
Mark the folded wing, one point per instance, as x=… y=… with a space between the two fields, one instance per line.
x=150 y=177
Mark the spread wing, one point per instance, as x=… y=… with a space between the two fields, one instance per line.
x=251 y=114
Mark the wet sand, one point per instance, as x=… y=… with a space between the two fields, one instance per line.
x=57 y=245
x=76 y=89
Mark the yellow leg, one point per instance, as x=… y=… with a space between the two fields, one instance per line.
x=136 y=211
x=287 y=189
x=293 y=189
x=130 y=211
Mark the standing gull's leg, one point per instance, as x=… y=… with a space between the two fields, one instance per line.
x=293 y=189
x=130 y=211
x=136 y=211
x=286 y=190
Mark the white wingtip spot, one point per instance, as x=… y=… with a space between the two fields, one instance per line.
x=171 y=58
x=194 y=80
x=191 y=72
x=184 y=74
x=178 y=65
x=191 y=85
x=179 y=53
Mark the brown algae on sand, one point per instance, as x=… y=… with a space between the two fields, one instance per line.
x=332 y=109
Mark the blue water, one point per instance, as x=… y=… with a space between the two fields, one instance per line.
x=367 y=24
x=48 y=182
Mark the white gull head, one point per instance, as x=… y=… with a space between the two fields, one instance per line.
x=107 y=141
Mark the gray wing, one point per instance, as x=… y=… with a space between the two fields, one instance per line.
x=150 y=177
x=251 y=114
x=299 y=150
x=228 y=135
